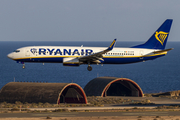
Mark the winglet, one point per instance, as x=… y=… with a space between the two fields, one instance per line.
x=112 y=45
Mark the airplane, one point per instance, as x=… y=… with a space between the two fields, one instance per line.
x=153 y=48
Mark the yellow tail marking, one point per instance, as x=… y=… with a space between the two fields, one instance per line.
x=112 y=44
x=161 y=36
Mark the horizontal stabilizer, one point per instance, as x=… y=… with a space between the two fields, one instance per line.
x=160 y=51
x=157 y=52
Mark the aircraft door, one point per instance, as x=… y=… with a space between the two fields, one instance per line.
x=141 y=52
x=27 y=52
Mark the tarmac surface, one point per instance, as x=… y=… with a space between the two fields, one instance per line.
x=88 y=114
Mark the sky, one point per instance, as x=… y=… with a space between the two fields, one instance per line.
x=86 y=20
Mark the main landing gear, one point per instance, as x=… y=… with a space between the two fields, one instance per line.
x=89 y=68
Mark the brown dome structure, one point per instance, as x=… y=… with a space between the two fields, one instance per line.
x=42 y=92
x=112 y=86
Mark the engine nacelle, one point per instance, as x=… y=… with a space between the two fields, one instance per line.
x=71 y=61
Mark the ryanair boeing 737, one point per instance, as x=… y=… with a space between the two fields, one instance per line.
x=75 y=56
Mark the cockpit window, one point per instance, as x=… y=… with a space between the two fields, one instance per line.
x=17 y=51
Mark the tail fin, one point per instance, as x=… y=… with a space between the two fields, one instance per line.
x=159 y=38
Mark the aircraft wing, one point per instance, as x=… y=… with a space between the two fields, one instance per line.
x=94 y=58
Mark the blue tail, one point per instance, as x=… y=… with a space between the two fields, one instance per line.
x=159 y=38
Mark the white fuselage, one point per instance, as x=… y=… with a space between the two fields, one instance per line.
x=58 y=53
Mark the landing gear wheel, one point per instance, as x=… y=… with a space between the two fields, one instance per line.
x=23 y=66
x=89 y=68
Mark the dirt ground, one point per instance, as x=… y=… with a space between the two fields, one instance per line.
x=101 y=118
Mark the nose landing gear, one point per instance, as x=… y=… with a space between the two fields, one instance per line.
x=23 y=66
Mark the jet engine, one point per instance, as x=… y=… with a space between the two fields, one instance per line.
x=71 y=61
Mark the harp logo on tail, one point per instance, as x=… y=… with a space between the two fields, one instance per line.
x=161 y=36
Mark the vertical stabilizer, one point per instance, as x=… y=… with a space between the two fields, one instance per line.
x=159 y=38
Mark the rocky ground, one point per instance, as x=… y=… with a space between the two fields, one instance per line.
x=98 y=102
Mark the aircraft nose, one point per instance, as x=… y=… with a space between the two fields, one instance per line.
x=10 y=55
